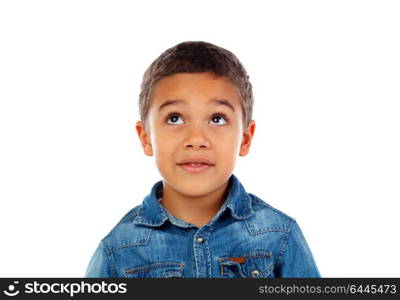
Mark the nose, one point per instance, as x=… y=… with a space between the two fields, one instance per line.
x=196 y=139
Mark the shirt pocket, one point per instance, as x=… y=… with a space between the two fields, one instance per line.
x=253 y=264
x=164 y=269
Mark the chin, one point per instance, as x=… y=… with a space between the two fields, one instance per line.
x=192 y=188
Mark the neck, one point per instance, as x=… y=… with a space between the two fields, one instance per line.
x=197 y=210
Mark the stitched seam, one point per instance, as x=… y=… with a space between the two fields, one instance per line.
x=147 y=268
x=269 y=230
x=135 y=244
x=208 y=251
x=109 y=259
x=144 y=222
x=252 y=232
x=128 y=245
x=132 y=215
x=248 y=256
x=284 y=242
x=195 y=255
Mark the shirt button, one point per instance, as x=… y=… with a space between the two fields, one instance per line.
x=255 y=273
x=200 y=239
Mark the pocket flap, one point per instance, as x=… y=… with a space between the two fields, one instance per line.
x=252 y=264
x=164 y=269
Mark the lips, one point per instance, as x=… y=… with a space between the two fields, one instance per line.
x=196 y=165
x=204 y=161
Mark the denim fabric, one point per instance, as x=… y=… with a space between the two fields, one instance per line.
x=246 y=238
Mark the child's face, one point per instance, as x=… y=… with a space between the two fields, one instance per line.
x=196 y=129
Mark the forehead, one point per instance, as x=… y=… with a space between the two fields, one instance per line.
x=195 y=88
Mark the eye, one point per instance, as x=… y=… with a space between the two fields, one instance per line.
x=173 y=116
x=218 y=117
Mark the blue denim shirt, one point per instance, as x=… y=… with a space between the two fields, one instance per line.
x=246 y=238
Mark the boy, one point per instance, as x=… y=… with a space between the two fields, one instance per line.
x=196 y=106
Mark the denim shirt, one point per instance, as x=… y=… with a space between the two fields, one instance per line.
x=246 y=238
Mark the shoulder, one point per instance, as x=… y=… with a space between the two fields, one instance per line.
x=267 y=218
x=126 y=233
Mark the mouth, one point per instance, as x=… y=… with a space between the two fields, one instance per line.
x=195 y=167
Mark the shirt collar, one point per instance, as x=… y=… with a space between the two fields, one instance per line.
x=152 y=213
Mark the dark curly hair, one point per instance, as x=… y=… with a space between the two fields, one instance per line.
x=193 y=57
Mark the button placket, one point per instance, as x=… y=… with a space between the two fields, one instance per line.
x=202 y=252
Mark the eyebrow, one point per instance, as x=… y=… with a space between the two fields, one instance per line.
x=215 y=101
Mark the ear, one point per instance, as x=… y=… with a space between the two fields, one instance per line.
x=144 y=138
x=247 y=138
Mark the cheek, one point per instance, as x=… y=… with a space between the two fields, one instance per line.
x=228 y=141
x=164 y=147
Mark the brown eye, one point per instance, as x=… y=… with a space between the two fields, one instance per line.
x=217 y=117
x=174 y=117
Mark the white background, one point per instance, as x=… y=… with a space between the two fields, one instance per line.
x=326 y=78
